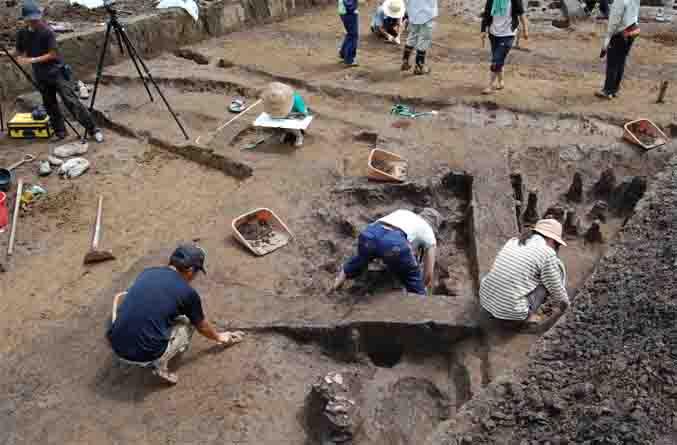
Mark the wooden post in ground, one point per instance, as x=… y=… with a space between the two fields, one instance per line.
x=662 y=91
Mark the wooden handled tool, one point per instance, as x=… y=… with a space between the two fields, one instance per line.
x=15 y=217
x=95 y=255
x=222 y=126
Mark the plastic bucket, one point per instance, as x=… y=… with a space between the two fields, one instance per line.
x=5 y=179
x=4 y=212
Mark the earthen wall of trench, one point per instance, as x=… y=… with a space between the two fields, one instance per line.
x=609 y=362
x=158 y=32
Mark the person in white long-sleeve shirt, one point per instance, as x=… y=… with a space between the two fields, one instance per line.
x=622 y=31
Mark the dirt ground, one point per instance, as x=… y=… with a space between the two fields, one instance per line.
x=58 y=379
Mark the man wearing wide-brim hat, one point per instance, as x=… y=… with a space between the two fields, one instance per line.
x=526 y=271
x=387 y=20
x=280 y=101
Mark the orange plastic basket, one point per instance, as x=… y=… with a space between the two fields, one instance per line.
x=644 y=133
x=399 y=164
x=278 y=237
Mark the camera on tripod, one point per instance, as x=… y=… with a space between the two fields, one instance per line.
x=114 y=27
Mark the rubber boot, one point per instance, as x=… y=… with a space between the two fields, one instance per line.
x=406 y=66
x=421 y=68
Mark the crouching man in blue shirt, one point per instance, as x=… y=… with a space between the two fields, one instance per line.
x=160 y=312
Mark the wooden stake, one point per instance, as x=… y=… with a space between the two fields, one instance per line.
x=661 y=93
x=15 y=217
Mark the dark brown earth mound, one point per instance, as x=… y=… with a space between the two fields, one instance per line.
x=606 y=374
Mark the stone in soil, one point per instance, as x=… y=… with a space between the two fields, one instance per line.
x=332 y=411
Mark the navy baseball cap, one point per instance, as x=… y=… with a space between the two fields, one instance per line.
x=30 y=11
x=190 y=256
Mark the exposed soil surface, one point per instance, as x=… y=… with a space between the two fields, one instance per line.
x=410 y=363
x=61 y=11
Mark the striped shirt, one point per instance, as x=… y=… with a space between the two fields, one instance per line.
x=517 y=271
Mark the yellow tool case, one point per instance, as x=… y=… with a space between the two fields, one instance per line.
x=23 y=126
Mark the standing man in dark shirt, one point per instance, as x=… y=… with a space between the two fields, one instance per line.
x=160 y=312
x=36 y=45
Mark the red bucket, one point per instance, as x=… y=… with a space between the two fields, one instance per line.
x=4 y=213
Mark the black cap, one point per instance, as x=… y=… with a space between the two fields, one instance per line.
x=189 y=256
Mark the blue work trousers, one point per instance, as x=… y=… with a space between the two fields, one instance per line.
x=349 y=47
x=392 y=247
x=500 y=47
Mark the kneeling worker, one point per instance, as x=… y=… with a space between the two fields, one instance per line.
x=157 y=318
x=387 y=20
x=280 y=101
x=526 y=270
x=394 y=239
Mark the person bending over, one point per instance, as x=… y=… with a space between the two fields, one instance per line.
x=394 y=239
x=526 y=270
x=387 y=21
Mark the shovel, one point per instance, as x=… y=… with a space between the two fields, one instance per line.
x=6 y=173
x=95 y=255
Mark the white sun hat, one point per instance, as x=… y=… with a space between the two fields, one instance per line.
x=278 y=100
x=394 y=8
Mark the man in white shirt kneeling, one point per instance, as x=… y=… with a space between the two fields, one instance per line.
x=395 y=239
